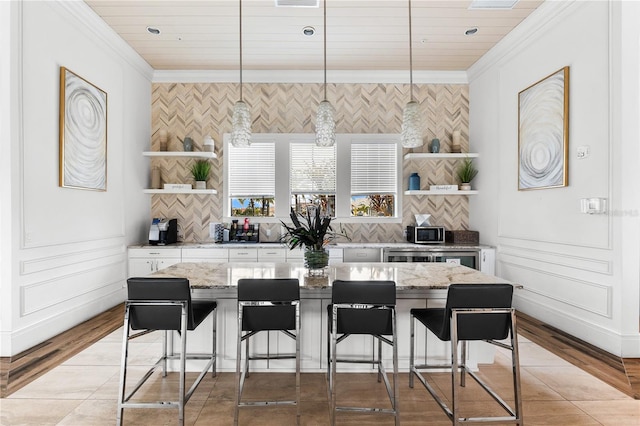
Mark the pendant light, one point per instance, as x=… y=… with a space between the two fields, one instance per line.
x=325 y=121
x=241 y=119
x=411 y=134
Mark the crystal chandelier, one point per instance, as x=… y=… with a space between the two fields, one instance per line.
x=411 y=134
x=325 y=121
x=241 y=119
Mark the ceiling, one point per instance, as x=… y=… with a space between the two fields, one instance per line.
x=361 y=34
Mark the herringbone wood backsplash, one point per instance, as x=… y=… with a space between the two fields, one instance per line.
x=200 y=109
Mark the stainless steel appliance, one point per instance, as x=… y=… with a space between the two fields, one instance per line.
x=163 y=231
x=426 y=234
x=470 y=258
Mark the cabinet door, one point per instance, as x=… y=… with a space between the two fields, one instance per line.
x=165 y=263
x=141 y=267
x=488 y=261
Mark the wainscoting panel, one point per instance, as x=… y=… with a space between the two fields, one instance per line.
x=515 y=254
x=583 y=294
x=55 y=291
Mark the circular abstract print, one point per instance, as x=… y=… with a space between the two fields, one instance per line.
x=541 y=134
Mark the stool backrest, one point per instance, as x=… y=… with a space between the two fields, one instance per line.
x=280 y=314
x=364 y=321
x=478 y=326
x=155 y=317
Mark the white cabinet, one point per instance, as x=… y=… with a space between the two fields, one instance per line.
x=361 y=254
x=243 y=255
x=144 y=261
x=211 y=255
x=272 y=254
x=488 y=261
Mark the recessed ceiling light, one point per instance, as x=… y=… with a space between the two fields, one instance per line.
x=153 y=30
x=492 y=4
x=308 y=31
x=471 y=31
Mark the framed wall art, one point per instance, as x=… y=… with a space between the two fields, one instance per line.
x=543 y=133
x=83 y=133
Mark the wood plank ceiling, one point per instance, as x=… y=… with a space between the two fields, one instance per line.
x=361 y=35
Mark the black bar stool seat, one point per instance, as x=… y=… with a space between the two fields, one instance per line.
x=164 y=304
x=473 y=312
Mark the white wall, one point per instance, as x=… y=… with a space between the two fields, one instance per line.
x=67 y=260
x=578 y=270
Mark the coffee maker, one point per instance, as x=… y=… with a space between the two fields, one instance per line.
x=163 y=231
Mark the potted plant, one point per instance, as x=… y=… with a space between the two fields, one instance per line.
x=200 y=171
x=466 y=172
x=311 y=232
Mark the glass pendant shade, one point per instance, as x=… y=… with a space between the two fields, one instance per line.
x=241 y=125
x=411 y=132
x=325 y=125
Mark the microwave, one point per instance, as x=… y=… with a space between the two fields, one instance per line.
x=425 y=234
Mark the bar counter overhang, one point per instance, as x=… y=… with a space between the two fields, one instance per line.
x=418 y=285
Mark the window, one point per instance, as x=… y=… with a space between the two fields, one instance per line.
x=312 y=177
x=374 y=183
x=251 y=179
x=355 y=180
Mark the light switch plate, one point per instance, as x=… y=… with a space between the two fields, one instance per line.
x=583 y=152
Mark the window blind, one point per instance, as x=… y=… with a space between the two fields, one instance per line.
x=373 y=168
x=313 y=168
x=252 y=170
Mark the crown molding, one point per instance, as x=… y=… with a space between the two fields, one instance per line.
x=90 y=23
x=306 y=76
x=549 y=13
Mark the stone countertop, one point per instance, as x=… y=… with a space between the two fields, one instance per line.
x=401 y=245
x=408 y=276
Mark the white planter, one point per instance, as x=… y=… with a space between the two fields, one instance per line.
x=201 y=184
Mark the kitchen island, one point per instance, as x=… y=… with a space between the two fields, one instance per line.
x=418 y=285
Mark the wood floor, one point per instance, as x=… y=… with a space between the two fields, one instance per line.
x=18 y=371
x=23 y=368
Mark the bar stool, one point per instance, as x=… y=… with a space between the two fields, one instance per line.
x=472 y=312
x=363 y=307
x=267 y=305
x=164 y=304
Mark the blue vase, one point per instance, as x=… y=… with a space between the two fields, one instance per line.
x=414 y=182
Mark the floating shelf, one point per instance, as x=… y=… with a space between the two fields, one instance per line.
x=439 y=156
x=426 y=192
x=184 y=154
x=179 y=191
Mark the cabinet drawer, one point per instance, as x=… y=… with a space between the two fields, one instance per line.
x=205 y=253
x=155 y=252
x=241 y=255
x=272 y=254
x=361 y=255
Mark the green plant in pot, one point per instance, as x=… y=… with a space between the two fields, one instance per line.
x=311 y=232
x=200 y=171
x=466 y=172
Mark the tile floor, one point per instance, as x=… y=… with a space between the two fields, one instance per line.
x=83 y=392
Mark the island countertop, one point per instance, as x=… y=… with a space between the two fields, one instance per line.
x=408 y=276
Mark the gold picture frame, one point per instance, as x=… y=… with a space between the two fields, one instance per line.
x=543 y=133
x=83 y=133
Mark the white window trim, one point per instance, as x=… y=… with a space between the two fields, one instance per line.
x=343 y=175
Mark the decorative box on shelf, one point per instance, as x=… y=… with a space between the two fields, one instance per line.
x=462 y=237
x=443 y=188
x=178 y=186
